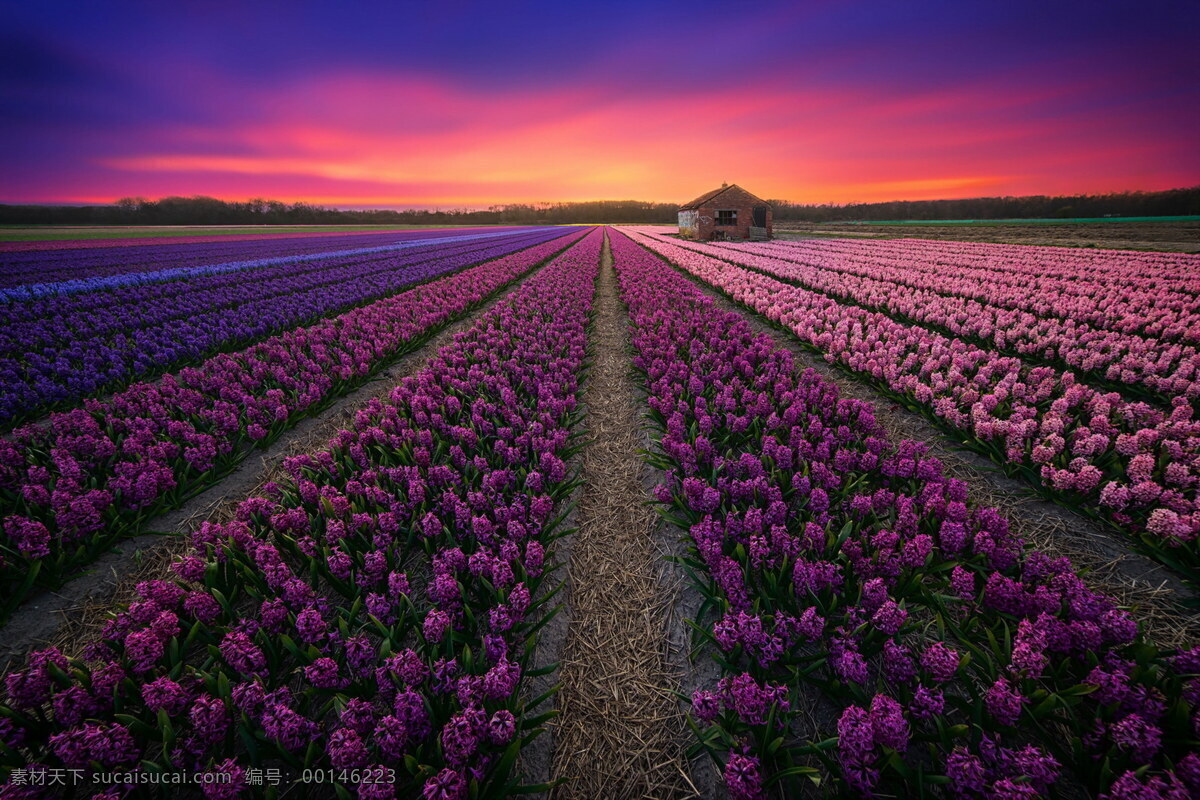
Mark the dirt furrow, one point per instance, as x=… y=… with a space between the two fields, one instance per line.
x=620 y=733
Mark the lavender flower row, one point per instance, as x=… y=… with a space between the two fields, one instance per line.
x=850 y=579
x=54 y=352
x=1135 y=464
x=75 y=285
x=86 y=303
x=71 y=259
x=71 y=486
x=1149 y=294
x=377 y=610
x=1145 y=368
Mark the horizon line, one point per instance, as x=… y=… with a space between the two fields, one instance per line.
x=438 y=208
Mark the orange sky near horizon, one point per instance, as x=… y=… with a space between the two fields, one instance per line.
x=826 y=104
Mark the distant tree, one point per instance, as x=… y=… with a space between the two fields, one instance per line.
x=201 y=210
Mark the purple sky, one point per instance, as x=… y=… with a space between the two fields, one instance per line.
x=468 y=104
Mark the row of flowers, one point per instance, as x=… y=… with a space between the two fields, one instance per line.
x=1149 y=294
x=104 y=251
x=52 y=261
x=73 y=277
x=1144 y=368
x=72 y=485
x=1133 y=463
x=56 y=351
x=1142 y=269
x=374 y=613
x=878 y=632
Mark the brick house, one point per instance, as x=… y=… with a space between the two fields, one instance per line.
x=726 y=213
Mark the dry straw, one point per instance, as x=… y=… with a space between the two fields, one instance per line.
x=621 y=733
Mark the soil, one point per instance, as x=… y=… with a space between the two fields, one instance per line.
x=1172 y=237
x=536 y=762
x=73 y=616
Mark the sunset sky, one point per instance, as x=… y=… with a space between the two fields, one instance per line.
x=462 y=104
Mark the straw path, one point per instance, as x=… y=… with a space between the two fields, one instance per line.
x=620 y=733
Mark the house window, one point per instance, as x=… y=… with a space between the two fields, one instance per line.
x=727 y=217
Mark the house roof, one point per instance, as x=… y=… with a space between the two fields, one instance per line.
x=733 y=194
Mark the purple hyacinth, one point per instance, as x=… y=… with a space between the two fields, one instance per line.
x=437 y=623
x=165 y=694
x=752 y=701
x=1130 y=787
x=887 y=721
x=30 y=537
x=446 y=785
x=1136 y=736
x=501 y=728
x=927 y=704
x=966 y=773
x=889 y=618
x=1004 y=702
x=242 y=654
x=743 y=777
x=940 y=662
x=324 y=674
x=856 y=736
x=209 y=718
x=346 y=749
x=231 y=785
x=289 y=728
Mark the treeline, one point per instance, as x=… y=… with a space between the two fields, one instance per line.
x=210 y=211
x=1173 y=202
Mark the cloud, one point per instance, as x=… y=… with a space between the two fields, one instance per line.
x=815 y=104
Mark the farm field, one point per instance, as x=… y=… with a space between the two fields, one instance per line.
x=1175 y=236
x=594 y=511
x=78 y=235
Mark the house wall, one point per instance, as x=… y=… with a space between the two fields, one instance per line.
x=707 y=216
x=689 y=222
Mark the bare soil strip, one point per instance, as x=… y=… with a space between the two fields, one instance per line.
x=621 y=733
x=1104 y=558
x=73 y=616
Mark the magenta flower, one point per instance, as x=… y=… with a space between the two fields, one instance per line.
x=940 y=662
x=501 y=728
x=446 y=785
x=1004 y=702
x=743 y=777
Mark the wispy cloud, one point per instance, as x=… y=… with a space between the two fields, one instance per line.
x=805 y=105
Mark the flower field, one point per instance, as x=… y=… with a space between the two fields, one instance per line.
x=29 y=263
x=89 y=475
x=381 y=619
x=848 y=568
x=75 y=338
x=1100 y=417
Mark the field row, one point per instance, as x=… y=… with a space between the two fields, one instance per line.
x=88 y=260
x=847 y=578
x=1133 y=463
x=74 y=483
x=60 y=349
x=877 y=631
x=375 y=612
x=1146 y=368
